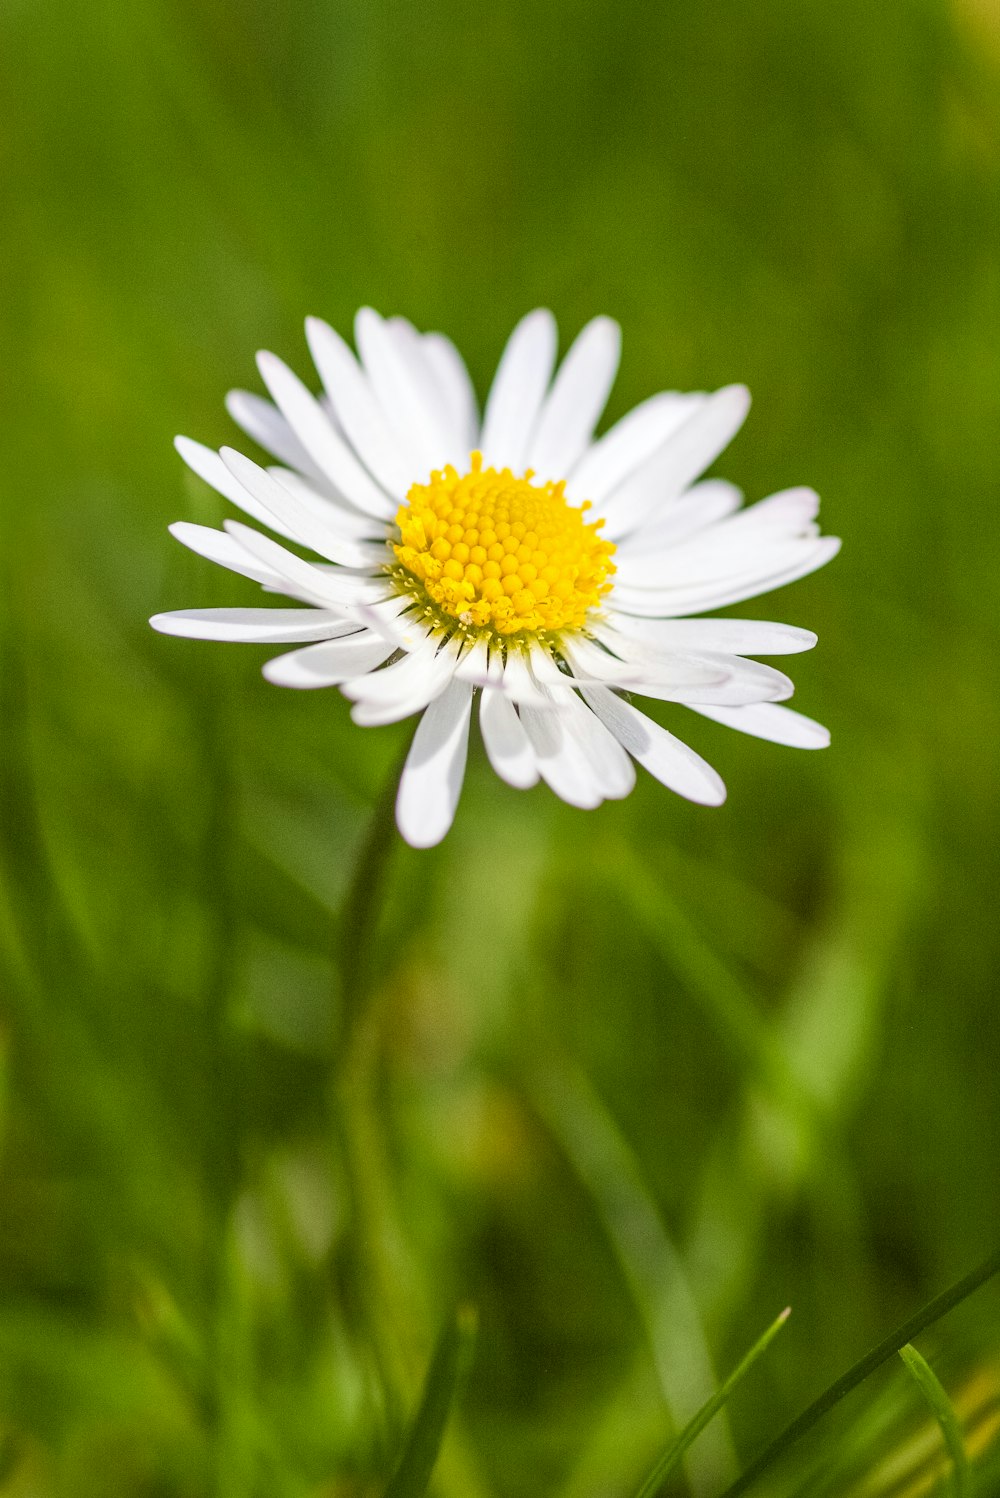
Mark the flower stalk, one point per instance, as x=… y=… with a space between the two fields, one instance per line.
x=379 y=1266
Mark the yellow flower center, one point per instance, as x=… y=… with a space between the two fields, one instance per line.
x=499 y=553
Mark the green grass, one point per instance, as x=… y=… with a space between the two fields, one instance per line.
x=944 y=1412
x=625 y=1081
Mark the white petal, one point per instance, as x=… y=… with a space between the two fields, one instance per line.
x=799 y=558
x=726 y=680
x=665 y=757
x=480 y=666
x=226 y=550
x=316 y=432
x=697 y=442
x=457 y=395
x=735 y=692
x=734 y=636
x=579 y=394
x=765 y=720
x=753 y=536
x=320 y=500
x=696 y=562
x=561 y=762
x=431 y=782
x=254 y=626
x=519 y=684
x=575 y=754
x=394 y=365
x=787 y=512
x=612 y=768
x=741 y=681
x=393 y=619
x=329 y=663
x=518 y=390
x=769 y=684
x=208 y=465
x=651 y=665
x=412 y=348
x=379 y=447
x=589 y=662
x=549 y=675
x=284 y=510
x=403 y=688
x=685 y=515
x=303 y=579
x=265 y=424
x=629 y=443
x=545 y=670
x=506 y=741
x=634 y=663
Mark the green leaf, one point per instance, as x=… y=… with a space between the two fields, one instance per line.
x=943 y=1411
x=448 y=1368
x=709 y=1410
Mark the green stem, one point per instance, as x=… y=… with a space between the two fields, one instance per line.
x=362 y=907
x=885 y=1350
x=377 y=1263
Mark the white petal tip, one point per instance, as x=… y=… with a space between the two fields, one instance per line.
x=319 y=336
x=521 y=781
x=289 y=671
x=236 y=461
x=709 y=793
x=374 y=715
x=709 y=789
x=420 y=840
x=272 y=672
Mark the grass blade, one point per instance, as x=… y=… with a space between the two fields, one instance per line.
x=448 y=1367
x=931 y=1312
x=693 y=1429
x=750 y=1038
x=652 y=1268
x=943 y=1411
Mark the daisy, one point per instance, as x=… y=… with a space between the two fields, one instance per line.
x=518 y=556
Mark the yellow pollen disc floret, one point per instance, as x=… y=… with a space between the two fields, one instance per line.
x=500 y=553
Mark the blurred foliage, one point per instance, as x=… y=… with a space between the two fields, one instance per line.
x=637 y=1078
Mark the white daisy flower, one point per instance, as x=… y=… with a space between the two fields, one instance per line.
x=518 y=556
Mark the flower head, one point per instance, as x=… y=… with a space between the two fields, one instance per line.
x=518 y=556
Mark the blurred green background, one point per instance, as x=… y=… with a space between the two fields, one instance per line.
x=637 y=1078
